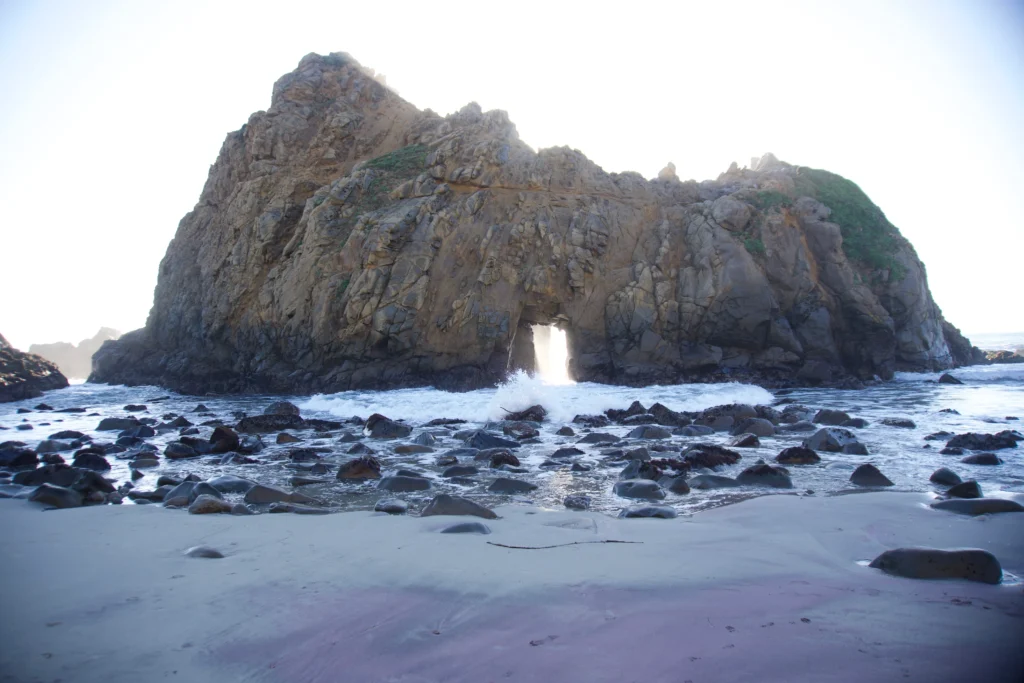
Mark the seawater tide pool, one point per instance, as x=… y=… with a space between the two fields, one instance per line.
x=990 y=395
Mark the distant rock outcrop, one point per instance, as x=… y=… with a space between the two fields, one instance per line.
x=345 y=239
x=25 y=375
x=74 y=361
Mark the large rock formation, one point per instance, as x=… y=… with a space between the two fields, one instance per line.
x=25 y=375
x=345 y=239
x=74 y=361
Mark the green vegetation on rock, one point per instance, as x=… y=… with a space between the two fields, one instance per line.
x=405 y=162
x=769 y=199
x=868 y=236
x=754 y=245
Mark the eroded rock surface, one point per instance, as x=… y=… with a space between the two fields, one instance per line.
x=345 y=239
x=26 y=375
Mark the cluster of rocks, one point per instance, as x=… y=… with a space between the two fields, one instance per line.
x=653 y=463
x=26 y=375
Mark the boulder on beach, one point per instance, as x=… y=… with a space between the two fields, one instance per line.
x=709 y=456
x=392 y=506
x=577 y=501
x=711 y=481
x=966 y=489
x=117 y=424
x=511 y=486
x=757 y=426
x=982 y=459
x=797 y=455
x=900 y=422
x=224 y=440
x=400 y=484
x=445 y=504
x=694 y=430
x=945 y=477
x=565 y=431
x=985 y=442
x=640 y=469
x=264 y=424
x=598 y=438
x=177 y=450
x=207 y=504
x=835 y=440
x=282 y=408
x=535 y=413
x=932 y=563
x=484 y=440
x=648 y=511
x=204 y=552
x=826 y=416
x=946 y=378
x=566 y=452
x=745 y=441
x=677 y=485
x=381 y=427
x=365 y=467
x=649 y=432
x=978 y=506
x=639 y=488
x=869 y=475
x=460 y=471
x=765 y=475
x=56 y=496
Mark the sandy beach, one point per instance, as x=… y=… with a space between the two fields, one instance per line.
x=766 y=590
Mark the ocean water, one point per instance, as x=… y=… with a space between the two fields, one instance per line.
x=998 y=341
x=990 y=395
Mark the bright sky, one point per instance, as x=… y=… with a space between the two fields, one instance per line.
x=113 y=112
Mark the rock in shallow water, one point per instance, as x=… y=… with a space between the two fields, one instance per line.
x=978 y=506
x=392 y=506
x=797 y=455
x=577 y=502
x=639 y=488
x=835 y=440
x=400 y=484
x=945 y=477
x=651 y=511
x=56 y=496
x=511 y=486
x=445 y=504
x=967 y=489
x=982 y=459
x=868 y=475
x=711 y=481
x=205 y=552
x=207 y=504
x=931 y=563
x=765 y=475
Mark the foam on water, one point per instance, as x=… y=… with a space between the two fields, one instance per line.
x=971 y=373
x=562 y=401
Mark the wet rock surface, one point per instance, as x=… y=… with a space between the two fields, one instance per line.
x=931 y=563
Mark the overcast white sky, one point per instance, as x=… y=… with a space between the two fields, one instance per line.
x=113 y=112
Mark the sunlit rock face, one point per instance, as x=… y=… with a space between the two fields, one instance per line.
x=345 y=239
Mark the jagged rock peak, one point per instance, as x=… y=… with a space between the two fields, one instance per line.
x=346 y=239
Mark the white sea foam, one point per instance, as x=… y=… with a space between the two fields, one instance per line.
x=562 y=401
x=971 y=373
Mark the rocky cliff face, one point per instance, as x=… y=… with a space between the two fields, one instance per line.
x=345 y=239
x=74 y=360
x=25 y=375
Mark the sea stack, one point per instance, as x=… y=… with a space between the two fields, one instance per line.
x=346 y=239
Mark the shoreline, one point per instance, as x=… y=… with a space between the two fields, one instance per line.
x=360 y=596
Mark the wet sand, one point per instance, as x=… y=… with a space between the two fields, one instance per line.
x=769 y=589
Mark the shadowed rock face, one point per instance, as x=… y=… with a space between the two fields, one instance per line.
x=26 y=375
x=345 y=239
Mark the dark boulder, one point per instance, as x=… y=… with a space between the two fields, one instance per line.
x=56 y=496
x=946 y=378
x=445 y=504
x=90 y=460
x=577 y=501
x=177 y=450
x=826 y=416
x=520 y=430
x=951 y=451
x=639 y=488
x=754 y=425
x=982 y=459
x=224 y=439
x=745 y=441
x=117 y=424
x=765 y=475
x=835 y=440
x=598 y=438
x=640 y=469
x=901 y=422
x=565 y=431
x=709 y=456
x=460 y=471
x=381 y=427
x=399 y=484
x=511 y=486
x=366 y=467
x=855 y=423
x=868 y=475
x=467 y=528
x=592 y=421
x=649 y=432
x=978 y=506
x=650 y=511
x=944 y=477
x=566 y=452
x=484 y=440
x=967 y=489
x=303 y=455
x=668 y=417
x=282 y=408
x=694 y=430
x=264 y=424
x=985 y=442
x=18 y=458
x=392 y=506
x=677 y=485
x=285 y=437
x=930 y=563
x=532 y=414
x=797 y=455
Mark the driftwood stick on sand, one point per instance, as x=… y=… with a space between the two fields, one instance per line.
x=560 y=545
